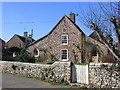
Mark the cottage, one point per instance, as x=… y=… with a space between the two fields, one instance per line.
x=67 y=42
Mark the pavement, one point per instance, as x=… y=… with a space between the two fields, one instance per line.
x=15 y=81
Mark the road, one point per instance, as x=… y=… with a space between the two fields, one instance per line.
x=15 y=81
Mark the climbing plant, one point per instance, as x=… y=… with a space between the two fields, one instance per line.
x=86 y=49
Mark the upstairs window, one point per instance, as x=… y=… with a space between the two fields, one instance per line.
x=64 y=39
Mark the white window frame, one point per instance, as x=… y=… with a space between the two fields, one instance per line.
x=38 y=53
x=61 y=55
x=67 y=40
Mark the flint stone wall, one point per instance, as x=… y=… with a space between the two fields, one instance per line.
x=54 y=72
x=99 y=77
x=102 y=78
x=52 y=42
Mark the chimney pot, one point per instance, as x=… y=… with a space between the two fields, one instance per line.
x=72 y=17
x=25 y=34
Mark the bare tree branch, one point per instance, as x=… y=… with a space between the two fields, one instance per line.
x=104 y=23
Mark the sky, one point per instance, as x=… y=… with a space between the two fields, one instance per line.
x=19 y=17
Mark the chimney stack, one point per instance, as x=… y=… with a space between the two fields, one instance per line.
x=25 y=34
x=72 y=17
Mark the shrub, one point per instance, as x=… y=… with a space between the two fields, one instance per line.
x=49 y=62
x=65 y=83
x=81 y=64
x=42 y=78
x=24 y=56
x=40 y=62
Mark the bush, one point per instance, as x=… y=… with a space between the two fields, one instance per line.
x=81 y=64
x=65 y=83
x=24 y=56
x=49 y=62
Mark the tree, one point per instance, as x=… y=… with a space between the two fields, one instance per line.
x=103 y=19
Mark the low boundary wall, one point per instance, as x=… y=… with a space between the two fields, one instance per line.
x=57 y=72
x=100 y=77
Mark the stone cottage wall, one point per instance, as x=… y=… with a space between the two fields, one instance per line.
x=42 y=45
x=100 y=77
x=56 y=72
x=74 y=40
x=52 y=42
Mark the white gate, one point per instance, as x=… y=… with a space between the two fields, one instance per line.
x=80 y=74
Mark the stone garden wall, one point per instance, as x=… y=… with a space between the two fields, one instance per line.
x=57 y=72
x=100 y=75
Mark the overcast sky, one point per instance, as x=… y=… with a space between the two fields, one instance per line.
x=18 y=17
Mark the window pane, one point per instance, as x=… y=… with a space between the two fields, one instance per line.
x=64 y=39
x=64 y=51
x=63 y=54
x=35 y=52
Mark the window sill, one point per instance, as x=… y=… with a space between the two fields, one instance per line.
x=64 y=44
x=64 y=59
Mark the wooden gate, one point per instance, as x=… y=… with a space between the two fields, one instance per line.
x=80 y=74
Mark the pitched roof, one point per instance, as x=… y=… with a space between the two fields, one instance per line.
x=95 y=41
x=95 y=36
x=1 y=40
x=77 y=27
x=23 y=39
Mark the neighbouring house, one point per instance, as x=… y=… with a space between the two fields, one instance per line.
x=67 y=42
x=2 y=45
x=14 y=45
x=20 y=41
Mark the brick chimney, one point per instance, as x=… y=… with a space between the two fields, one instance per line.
x=25 y=34
x=72 y=17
